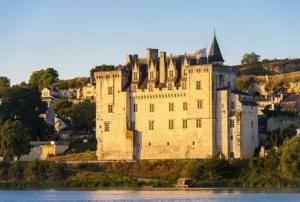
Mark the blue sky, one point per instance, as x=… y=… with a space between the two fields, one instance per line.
x=73 y=36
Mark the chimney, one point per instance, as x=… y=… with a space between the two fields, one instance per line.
x=151 y=54
x=162 y=67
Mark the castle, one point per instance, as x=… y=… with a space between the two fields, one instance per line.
x=173 y=107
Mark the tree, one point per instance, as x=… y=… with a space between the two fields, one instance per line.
x=63 y=108
x=36 y=171
x=4 y=84
x=83 y=116
x=16 y=171
x=25 y=105
x=250 y=59
x=103 y=67
x=14 y=140
x=43 y=78
x=290 y=158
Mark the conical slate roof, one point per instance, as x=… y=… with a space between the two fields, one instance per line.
x=214 y=52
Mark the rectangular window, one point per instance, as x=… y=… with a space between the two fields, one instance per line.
x=106 y=126
x=185 y=106
x=151 y=125
x=184 y=123
x=184 y=85
x=231 y=123
x=151 y=75
x=135 y=76
x=110 y=108
x=232 y=105
x=110 y=90
x=170 y=86
x=171 y=74
x=200 y=104
x=151 y=107
x=198 y=85
x=132 y=125
x=171 y=124
x=198 y=123
x=171 y=106
x=252 y=124
x=135 y=107
x=150 y=87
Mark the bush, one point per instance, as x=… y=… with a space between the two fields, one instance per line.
x=36 y=171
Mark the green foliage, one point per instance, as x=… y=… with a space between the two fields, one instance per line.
x=16 y=171
x=36 y=171
x=57 y=171
x=25 y=105
x=4 y=82
x=103 y=67
x=63 y=108
x=77 y=146
x=14 y=140
x=290 y=159
x=71 y=83
x=250 y=59
x=278 y=136
x=83 y=116
x=43 y=78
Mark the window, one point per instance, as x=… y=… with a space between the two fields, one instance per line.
x=171 y=74
x=132 y=125
x=221 y=80
x=184 y=123
x=252 y=124
x=135 y=76
x=150 y=87
x=229 y=84
x=231 y=123
x=171 y=106
x=185 y=72
x=185 y=106
x=151 y=75
x=110 y=108
x=151 y=125
x=198 y=123
x=106 y=126
x=110 y=90
x=151 y=107
x=171 y=124
x=231 y=137
x=232 y=105
x=135 y=107
x=170 y=86
x=184 y=85
x=198 y=85
x=199 y=104
x=133 y=88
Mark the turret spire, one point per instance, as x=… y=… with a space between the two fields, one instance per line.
x=215 y=55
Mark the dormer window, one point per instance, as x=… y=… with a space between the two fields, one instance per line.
x=171 y=73
x=184 y=72
x=151 y=75
x=150 y=87
x=135 y=76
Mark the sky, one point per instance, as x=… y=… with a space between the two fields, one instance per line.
x=73 y=36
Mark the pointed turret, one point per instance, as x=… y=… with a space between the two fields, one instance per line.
x=215 y=55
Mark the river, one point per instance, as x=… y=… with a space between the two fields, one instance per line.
x=205 y=195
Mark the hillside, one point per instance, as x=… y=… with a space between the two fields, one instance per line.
x=270 y=67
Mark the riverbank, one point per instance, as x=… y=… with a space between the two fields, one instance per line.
x=208 y=173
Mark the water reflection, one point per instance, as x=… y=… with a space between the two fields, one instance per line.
x=205 y=195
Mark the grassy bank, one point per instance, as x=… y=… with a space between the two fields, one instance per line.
x=247 y=173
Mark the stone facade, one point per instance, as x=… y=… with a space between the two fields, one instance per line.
x=175 y=107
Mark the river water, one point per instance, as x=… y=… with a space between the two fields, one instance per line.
x=205 y=195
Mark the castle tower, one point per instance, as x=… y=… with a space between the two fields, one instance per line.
x=215 y=56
